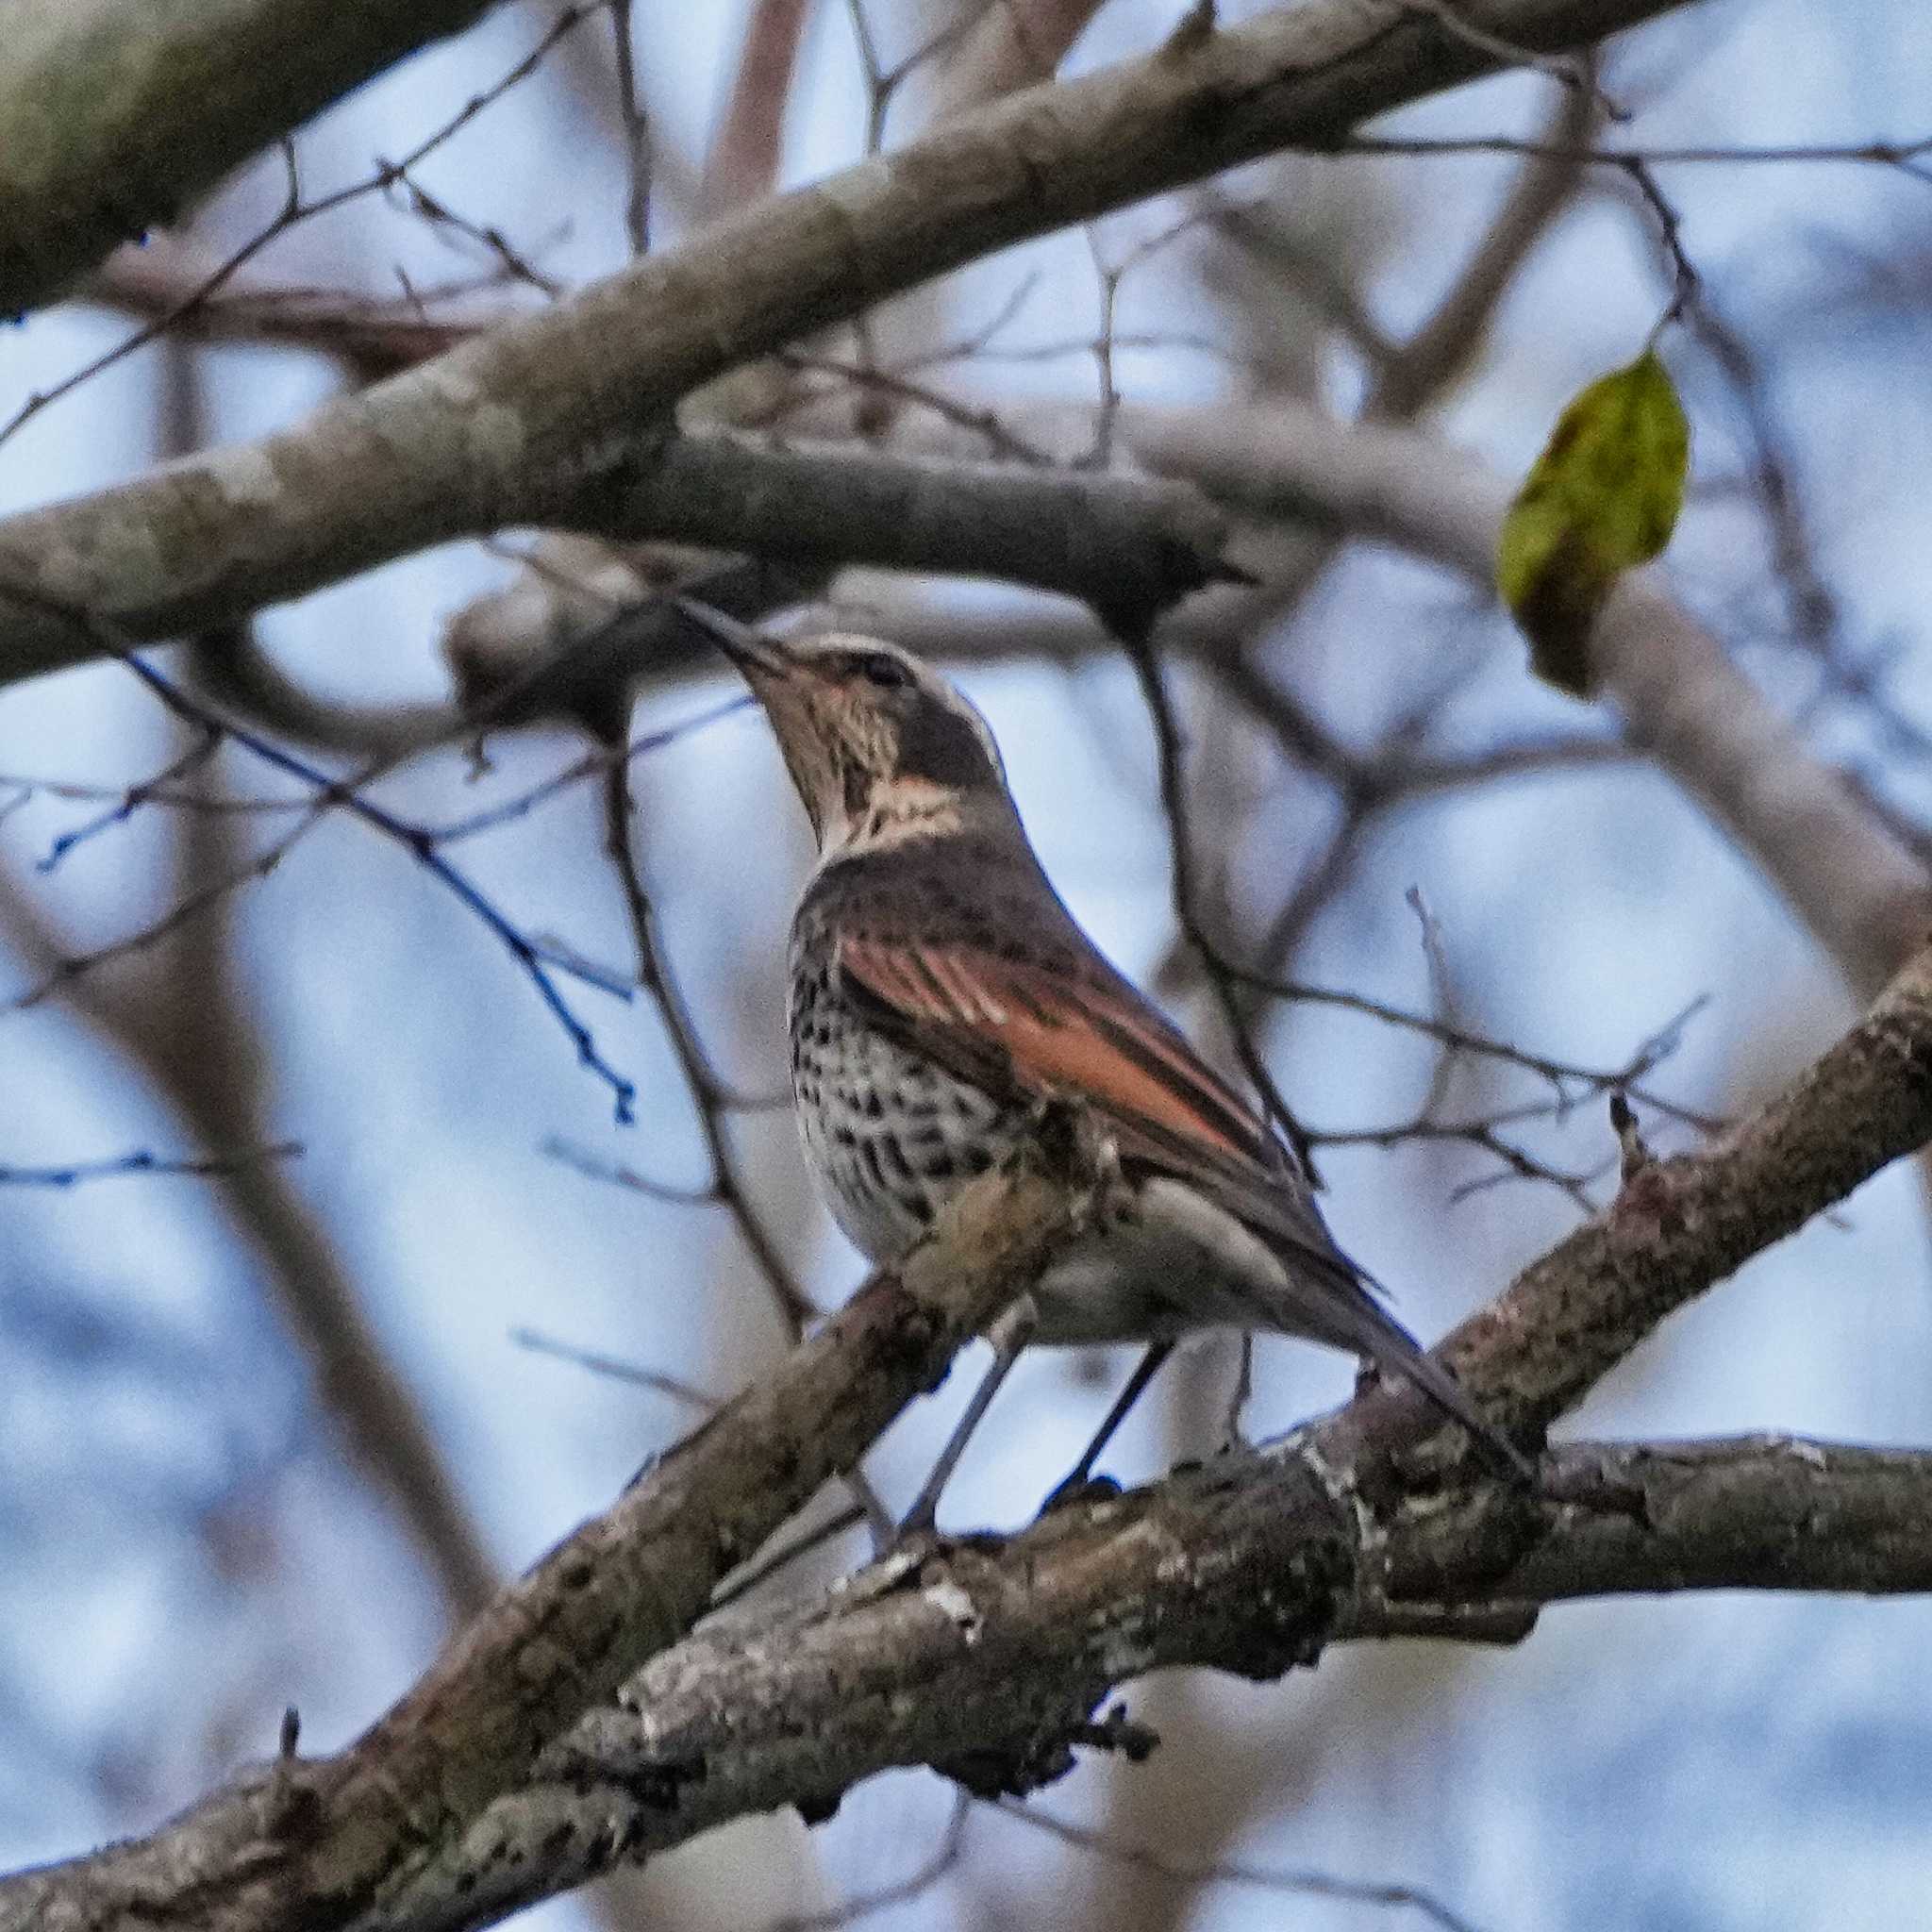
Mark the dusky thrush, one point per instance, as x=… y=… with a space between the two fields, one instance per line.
x=939 y=991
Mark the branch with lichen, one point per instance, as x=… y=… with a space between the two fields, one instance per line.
x=113 y=118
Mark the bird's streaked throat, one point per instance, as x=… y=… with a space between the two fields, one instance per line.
x=897 y=811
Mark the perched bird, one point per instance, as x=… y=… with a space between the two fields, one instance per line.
x=939 y=991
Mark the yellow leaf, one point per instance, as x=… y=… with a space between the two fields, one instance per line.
x=1602 y=498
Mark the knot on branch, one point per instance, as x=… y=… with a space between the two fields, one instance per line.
x=1020 y=1767
x=1646 y=1204
x=1633 y=1153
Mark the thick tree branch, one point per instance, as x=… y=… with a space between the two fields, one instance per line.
x=518 y=424
x=987 y=1656
x=1112 y=541
x=1757 y=1512
x=1683 y=700
x=317 y=1843
x=114 y=118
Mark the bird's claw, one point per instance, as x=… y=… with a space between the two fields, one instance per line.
x=1080 y=1487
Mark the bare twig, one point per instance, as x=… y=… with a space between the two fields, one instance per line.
x=144 y=1160
x=1908 y=157
x=709 y=1096
x=335 y=793
x=617 y=1369
x=1683 y=700
x=916 y=1884
x=1298 y=1884
x=637 y=131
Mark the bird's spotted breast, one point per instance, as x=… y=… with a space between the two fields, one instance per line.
x=889 y=1137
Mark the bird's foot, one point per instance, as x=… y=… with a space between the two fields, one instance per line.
x=921 y=1519
x=1081 y=1487
x=1233 y=1436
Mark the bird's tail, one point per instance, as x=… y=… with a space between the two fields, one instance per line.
x=1366 y=1326
x=1324 y=1295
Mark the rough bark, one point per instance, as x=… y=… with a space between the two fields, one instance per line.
x=987 y=1658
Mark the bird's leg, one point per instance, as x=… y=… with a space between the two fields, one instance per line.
x=872 y=1506
x=1145 y=1371
x=1009 y=1336
x=1242 y=1396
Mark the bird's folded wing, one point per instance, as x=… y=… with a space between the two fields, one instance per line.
x=1052 y=1034
x=1021 y=1030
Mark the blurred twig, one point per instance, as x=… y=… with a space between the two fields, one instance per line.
x=1195 y=1874
x=1684 y=702
x=144 y=1160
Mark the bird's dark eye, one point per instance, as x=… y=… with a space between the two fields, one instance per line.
x=886 y=672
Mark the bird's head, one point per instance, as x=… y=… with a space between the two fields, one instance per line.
x=882 y=748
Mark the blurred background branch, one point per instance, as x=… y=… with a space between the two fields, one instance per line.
x=114 y=119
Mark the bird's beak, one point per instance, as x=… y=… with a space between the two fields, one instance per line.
x=755 y=654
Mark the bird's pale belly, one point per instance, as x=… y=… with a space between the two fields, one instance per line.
x=890 y=1139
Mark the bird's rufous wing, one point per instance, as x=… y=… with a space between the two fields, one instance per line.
x=1055 y=1035
x=1036 y=1032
